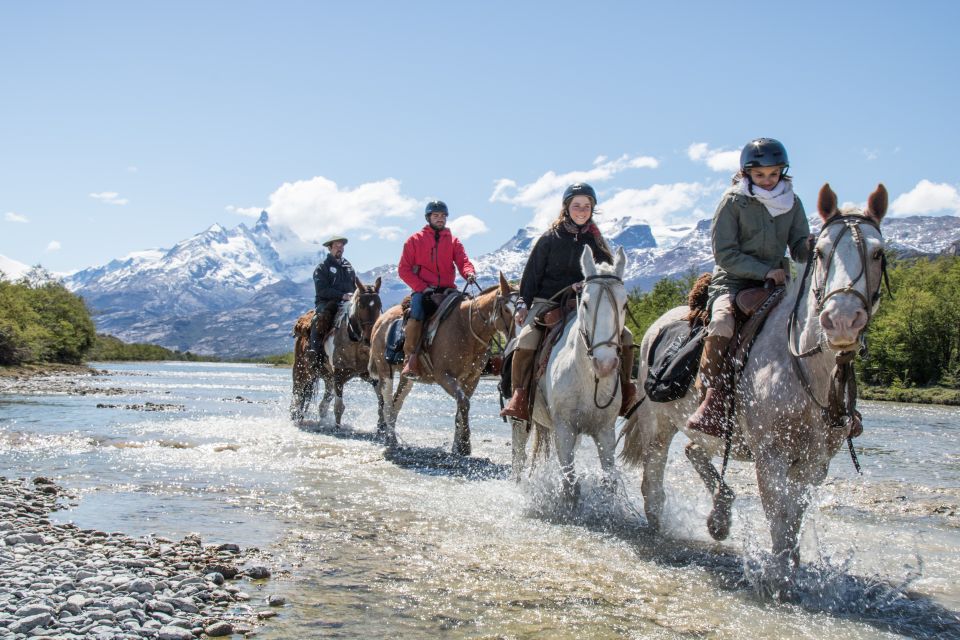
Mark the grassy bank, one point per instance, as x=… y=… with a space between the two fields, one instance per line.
x=916 y=395
x=44 y=369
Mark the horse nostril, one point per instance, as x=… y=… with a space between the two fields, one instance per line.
x=859 y=320
x=826 y=322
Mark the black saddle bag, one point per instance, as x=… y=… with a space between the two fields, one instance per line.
x=395 y=338
x=674 y=360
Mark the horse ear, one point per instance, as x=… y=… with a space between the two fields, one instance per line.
x=358 y=284
x=877 y=203
x=826 y=202
x=588 y=265
x=504 y=285
x=620 y=262
x=376 y=284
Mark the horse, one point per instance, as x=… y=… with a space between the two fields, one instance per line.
x=454 y=359
x=794 y=400
x=347 y=350
x=579 y=392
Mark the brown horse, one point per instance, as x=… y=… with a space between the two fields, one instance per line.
x=454 y=359
x=347 y=350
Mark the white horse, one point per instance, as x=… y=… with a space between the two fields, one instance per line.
x=790 y=412
x=579 y=393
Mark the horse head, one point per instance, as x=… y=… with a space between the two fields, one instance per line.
x=366 y=307
x=849 y=266
x=601 y=311
x=506 y=306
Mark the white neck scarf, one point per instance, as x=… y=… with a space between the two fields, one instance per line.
x=778 y=200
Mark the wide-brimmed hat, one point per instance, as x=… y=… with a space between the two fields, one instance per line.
x=333 y=239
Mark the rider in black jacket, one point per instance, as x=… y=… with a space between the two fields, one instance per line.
x=334 y=280
x=554 y=265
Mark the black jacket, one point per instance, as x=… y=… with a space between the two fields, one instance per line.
x=332 y=278
x=554 y=262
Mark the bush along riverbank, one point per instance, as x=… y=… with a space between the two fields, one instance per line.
x=60 y=581
x=915 y=395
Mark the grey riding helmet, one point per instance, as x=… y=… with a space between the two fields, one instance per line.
x=764 y=152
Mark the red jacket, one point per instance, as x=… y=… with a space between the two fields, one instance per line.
x=428 y=260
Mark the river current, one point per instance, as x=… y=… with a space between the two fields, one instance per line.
x=417 y=543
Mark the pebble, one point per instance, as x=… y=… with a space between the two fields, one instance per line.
x=60 y=581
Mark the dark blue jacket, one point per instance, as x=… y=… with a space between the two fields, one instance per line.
x=332 y=278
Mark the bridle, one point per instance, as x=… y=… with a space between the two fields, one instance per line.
x=606 y=282
x=356 y=325
x=840 y=406
x=501 y=303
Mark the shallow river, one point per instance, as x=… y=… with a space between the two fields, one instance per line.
x=420 y=544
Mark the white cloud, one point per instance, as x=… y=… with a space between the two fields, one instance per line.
x=870 y=154
x=928 y=198
x=53 y=246
x=388 y=233
x=716 y=159
x=658 y=205
x=467 y=225
x=543 y=194
x=10 y=216
x=251 y=212
x=132 y=169
x=317 y=208
x=109 y=197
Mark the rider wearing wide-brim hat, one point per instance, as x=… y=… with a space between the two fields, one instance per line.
x=334 y=281
x=554 y=265
x=757 y=220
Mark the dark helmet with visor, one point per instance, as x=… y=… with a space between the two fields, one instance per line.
x=764 y=152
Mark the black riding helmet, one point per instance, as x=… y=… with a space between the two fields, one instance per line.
x=579 y=189
x=435 y=206
x=764 y=152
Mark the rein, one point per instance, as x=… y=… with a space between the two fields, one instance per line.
x=840 y=407
x=356 y=326
x=491 y=320
x=606 y=282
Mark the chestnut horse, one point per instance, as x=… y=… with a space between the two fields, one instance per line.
x=792 y=408
x=454 y=359
x=347 y=351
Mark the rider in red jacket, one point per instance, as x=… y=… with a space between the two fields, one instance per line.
x=427 y=264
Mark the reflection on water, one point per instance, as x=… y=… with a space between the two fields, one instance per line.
x=416 y=542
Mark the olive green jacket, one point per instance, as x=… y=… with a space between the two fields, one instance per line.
x=748 y=242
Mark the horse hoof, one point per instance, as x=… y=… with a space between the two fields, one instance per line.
x=718 y=523
x=462 y=449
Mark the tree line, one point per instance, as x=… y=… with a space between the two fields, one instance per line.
x=913 y=340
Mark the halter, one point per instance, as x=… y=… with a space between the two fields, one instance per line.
x=840 y=406
x=606 y=282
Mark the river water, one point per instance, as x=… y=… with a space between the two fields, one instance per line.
x=419 y=544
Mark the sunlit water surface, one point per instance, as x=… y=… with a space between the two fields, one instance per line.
x=418 y=543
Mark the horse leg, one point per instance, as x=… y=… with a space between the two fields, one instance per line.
x=461 y=434
x=718 y=522
x=395 y=403
x=338 y=405
x=303 y=385
x=385 y=393
x=381 y=422
x=327 y=397
x=654 y=465
x=521 y=432
x=606 y=441
x=566 y=442
x=784 y=501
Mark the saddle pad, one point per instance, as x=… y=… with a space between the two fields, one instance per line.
x=446 y=306
x=393 y=353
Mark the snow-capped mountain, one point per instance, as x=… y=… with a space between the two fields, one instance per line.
x=238 y=292
x=11 y=268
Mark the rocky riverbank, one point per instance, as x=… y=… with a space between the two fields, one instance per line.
x=59 y=581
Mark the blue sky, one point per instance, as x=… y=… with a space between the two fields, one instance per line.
x=128 y=126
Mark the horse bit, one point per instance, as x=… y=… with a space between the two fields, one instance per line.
x=606 y=283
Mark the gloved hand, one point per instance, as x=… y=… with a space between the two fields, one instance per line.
x=471 y=279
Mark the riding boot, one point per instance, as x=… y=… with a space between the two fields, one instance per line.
x=710 y=415
x=411 y=347
x=519 y=405
x=315 y=350
x=628 y=390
